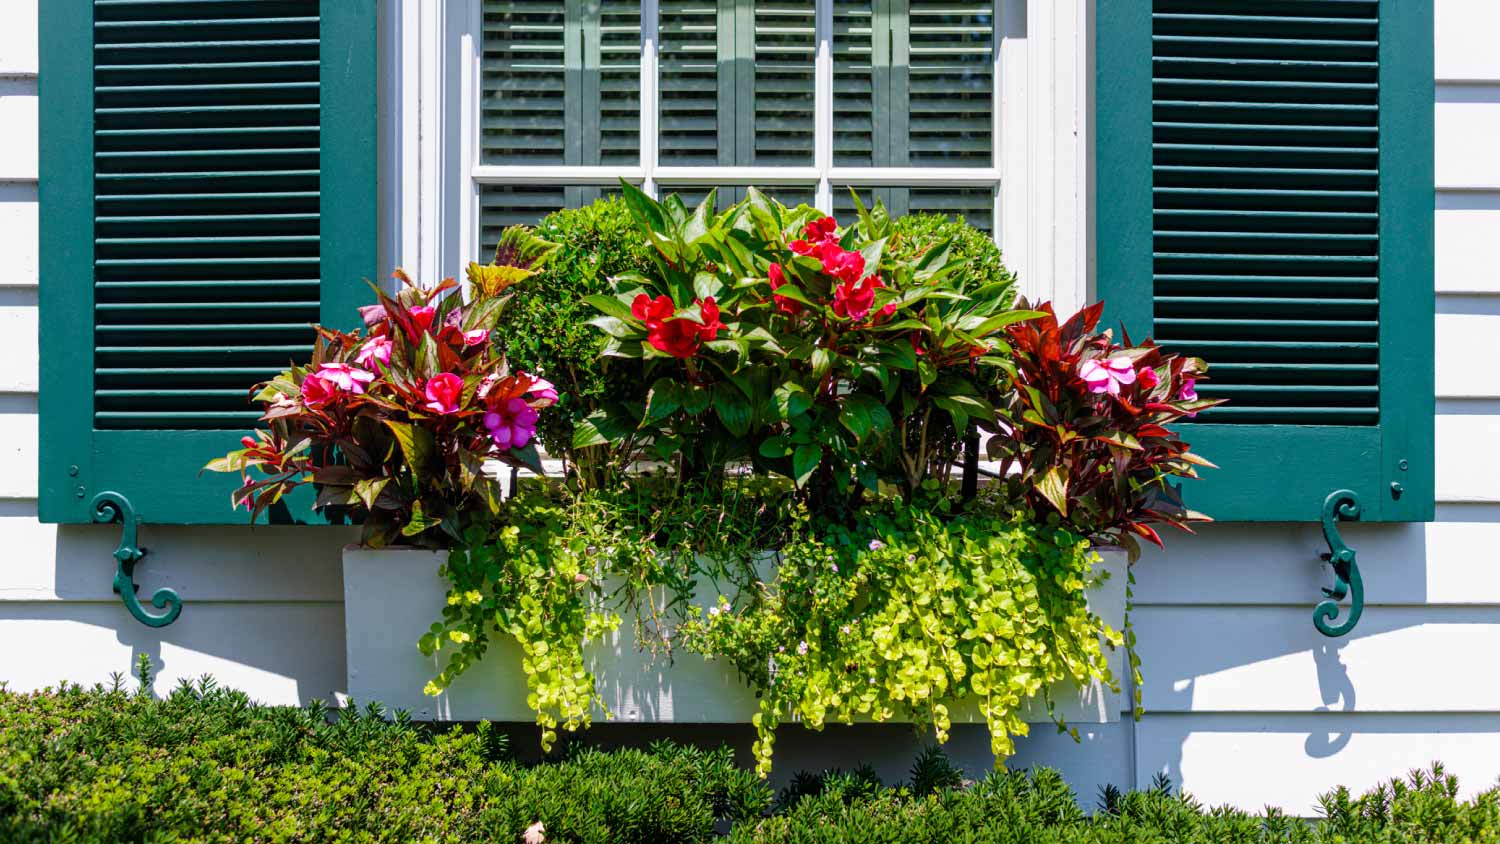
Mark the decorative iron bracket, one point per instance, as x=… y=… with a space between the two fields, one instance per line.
x=110 y=507
x=1343 y=504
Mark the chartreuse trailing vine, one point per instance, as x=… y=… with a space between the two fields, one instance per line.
x=909 y=613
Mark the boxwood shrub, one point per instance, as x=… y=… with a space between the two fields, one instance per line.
x=206 y=764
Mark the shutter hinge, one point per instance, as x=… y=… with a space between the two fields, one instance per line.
x=1340 y=505
x=110 y=507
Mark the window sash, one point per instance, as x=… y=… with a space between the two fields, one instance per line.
x=822 y=176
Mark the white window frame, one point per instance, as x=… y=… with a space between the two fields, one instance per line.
x=1044 y=93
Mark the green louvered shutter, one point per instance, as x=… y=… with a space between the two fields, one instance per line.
x=1265 y=201
x=208 y=190
x=738 y=87
x=560 y=85
x=913 y=86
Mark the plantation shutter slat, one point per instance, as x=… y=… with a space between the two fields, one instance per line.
x=913 y=86
x=187 y=161
x=737 y=83
x=1265 y=189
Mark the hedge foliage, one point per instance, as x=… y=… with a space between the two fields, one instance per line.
x=206 y=764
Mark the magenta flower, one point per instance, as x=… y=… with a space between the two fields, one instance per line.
x=376 y=350
x=443 y=392
x=423 y=315
x=317 y=391
x=512 y=424
x=1189 y=391
x=345 y=377
x=1109 y=376
x=476 y=337
x=1148 y=377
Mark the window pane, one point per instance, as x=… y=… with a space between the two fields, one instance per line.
x=788 y=195
x=524 y=205
x=560 y=83
x=975 y=205
x=913 y=83
x=950 y=83
x=737 y=83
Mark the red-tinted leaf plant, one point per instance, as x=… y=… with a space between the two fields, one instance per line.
x=1087 y=428
x=393 y=424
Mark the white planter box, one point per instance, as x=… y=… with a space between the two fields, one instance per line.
x=392 y=597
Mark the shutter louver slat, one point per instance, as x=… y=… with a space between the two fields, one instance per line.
x=853 y=84
x=1266 y=188
x=207 y=178
x=784 y=84
x=523 y=113
x=950 y=83
x=689 y=81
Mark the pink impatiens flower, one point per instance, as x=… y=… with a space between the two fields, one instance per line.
x=345 y=377
x=1189 y=391
x=376 y=350
x=511 y=424
x=423 y=316
x=317 y=392
x=1148 y=377
x=443 y=392
x=1108 y=376
x=476 y=337
x=542 y=390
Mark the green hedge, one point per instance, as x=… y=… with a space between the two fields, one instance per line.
x=205 y=764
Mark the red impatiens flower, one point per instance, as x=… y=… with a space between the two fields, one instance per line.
x=815 y=235
x=678 y=337
x=840 y=263
x=853 y=300
x=652 y=312
x=790 y=307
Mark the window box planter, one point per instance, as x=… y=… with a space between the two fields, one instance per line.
x=392 y=596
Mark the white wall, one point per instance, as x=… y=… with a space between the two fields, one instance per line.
x=263 y=605
x=1246 y=702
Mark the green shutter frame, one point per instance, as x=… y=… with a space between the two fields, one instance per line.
x=89 y=271
x=1339 y=395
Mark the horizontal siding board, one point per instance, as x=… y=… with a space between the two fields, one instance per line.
x=18 y=348
x=1467 y=229
x=1466 y=40
x=277 y=653
x=1272 y=659
x=1466 y=133
x=1403 y=564
x=18 y=234
x=18 y=143
x=1286 y=761
x=18 y=41
x=1468 y=464
x=18 y=454
x=73 y=563
x=1465 y=354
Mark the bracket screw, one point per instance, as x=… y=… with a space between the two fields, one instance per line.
x=1403 y=465
x=73 y=471
x=1397 y=489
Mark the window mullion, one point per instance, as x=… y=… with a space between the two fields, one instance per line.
x=823 y=104
x=650 y=92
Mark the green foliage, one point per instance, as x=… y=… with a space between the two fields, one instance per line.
x=906 y=612
x=546 y=329
x=204 y=764
x=771 y=336
x=979 y=259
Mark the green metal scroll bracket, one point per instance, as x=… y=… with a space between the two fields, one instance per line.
x=1343 y=504
x=110 y=507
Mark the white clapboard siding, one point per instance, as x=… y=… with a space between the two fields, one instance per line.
x=1467 y=230
x=18 y=234
x=251 y=564
x=18 y=143
x=1468 y=464
x=1466 y=40
x=1258 y=760
x=18 y=342
x=284 y=653
x=18 y=449
x=1270 y=659
x=18 y=39
x=1467 y=122
x=1410 y=565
